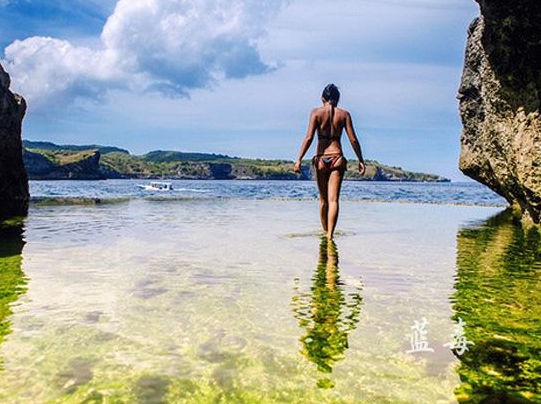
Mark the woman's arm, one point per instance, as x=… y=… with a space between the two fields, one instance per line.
x=355 y=143
x=307 y=142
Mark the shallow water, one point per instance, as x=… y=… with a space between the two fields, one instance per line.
x=456 y=192
x=233 y=301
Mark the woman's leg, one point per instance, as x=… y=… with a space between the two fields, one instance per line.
x=322 y=181
x=334 y=185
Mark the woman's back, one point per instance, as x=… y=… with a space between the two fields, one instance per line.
x=330 y=125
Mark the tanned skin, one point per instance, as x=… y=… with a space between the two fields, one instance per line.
x=329 y=183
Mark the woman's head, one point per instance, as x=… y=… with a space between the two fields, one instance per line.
x=331 y=94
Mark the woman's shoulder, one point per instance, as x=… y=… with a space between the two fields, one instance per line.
x=318 y=111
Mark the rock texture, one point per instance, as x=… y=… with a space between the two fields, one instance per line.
x=14 y=194
x=500 y=102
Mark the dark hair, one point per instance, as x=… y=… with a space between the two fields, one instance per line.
x=331 y=94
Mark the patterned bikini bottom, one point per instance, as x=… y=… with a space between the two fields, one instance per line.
x=329 y=162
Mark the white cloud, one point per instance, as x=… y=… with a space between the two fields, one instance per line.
x=48 y=67
x=170 y=46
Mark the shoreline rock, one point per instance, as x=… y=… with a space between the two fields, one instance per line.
x=500 y=103
x=14 y=194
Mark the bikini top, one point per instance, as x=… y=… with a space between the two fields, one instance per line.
x=330 y=136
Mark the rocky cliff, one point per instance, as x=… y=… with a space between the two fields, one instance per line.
x=500 y=102
x=13 y=181
x=74 y=166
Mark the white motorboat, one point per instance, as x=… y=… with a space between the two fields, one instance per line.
x=156 y=186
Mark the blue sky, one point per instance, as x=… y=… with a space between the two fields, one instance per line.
x=238 y=76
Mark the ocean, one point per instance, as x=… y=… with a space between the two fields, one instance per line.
x=438 y=193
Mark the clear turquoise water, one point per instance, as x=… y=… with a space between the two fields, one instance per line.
x=469 y=193
x=240 y=301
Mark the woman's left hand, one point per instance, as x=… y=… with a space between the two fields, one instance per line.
x=362 y=168
x=297 y=167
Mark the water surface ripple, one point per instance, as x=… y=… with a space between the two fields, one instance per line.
x=240 y=301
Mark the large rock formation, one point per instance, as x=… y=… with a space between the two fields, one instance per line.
x=13 y=181
x=500 y=102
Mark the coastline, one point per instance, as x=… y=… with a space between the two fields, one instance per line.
x=48 y=161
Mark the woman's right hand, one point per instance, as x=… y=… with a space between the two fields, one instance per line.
x=297 y=167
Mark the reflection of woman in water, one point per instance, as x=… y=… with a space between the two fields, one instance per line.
x=329 y=162
x=327 y=313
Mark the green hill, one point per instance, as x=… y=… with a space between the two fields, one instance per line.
x=167 y=156
x=45 y=160
x=29 y=144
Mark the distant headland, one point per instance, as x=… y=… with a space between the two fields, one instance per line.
x=49 y=161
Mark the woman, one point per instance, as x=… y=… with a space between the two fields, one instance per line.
x=329 y=161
